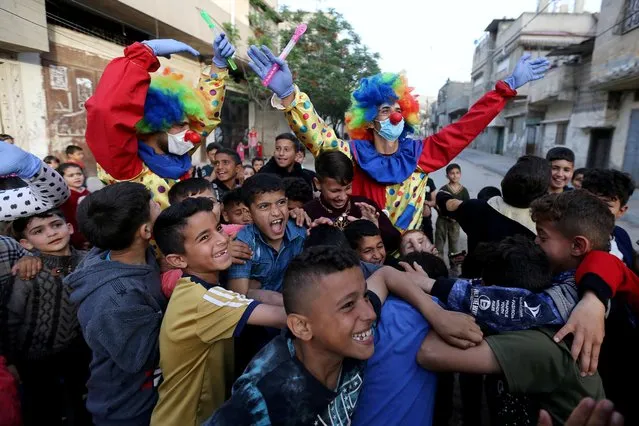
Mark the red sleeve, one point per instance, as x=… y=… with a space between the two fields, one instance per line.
x=605 y=274
x=440 y=148
x=116 y=107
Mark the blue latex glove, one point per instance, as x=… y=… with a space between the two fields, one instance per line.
x=166 y=47
x=262 y=59
x=223 y=49
x=527 y=70
x=14 y=160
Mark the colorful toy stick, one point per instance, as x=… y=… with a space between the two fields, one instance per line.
x=301 y=29
x=211 y=25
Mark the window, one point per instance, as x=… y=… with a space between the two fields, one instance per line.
x=630 y=16
x=511 y=125
x=562 y=131
x=503 y=65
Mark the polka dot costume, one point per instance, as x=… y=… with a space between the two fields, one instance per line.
x=43 y=192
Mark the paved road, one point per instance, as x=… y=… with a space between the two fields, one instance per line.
x=480 y=169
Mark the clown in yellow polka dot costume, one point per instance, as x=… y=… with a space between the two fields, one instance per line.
x=390 y=167
x=144 y=129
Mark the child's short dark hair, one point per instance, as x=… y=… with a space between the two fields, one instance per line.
x=232 y=198
x=72 y=149
x=261 y=183
x=298 y=190
x=452 y=166
x=359 y=229
x=488 y=192
x=19 y=226
x=66 y=166
x=247 y=166
x=5 y=136
x=515 y=261
x=213 y=146
x=580 y=171
x=310 y=266
x=256 y=159
x=234 y=155
x=576 y=213
x=609 y=184
x=334 y=165
x=168 y=227
x=433 y=265
x=291 y=137
x=560 y=153
x=527 y=180
x=326 y=235
x=50 y=159
x=187 y=188
x=110 y=218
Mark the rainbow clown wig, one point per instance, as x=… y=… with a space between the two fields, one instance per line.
x=170 y=101
x=374 y=91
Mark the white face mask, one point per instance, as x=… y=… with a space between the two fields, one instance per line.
x=177 y=144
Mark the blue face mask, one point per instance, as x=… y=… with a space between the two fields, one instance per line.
x=390 y=131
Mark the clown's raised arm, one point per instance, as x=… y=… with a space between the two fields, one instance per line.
x=43 y=188
x=390 y=167
x=128 y=105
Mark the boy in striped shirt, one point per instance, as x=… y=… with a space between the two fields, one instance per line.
x=196 y=346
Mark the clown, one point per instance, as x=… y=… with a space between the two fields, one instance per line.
x=145 y=129
x=390 y=167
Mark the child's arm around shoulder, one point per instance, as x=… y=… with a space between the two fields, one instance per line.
x=458 y=329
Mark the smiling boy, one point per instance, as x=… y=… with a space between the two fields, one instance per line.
x=314 y=373
x=227 y=168
x=196 y=346
x=283 y=162
x=562 y=164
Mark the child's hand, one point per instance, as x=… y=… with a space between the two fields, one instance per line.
x=588 y=413
x=457 y=329
x=368 y=212
x=301 y=217
x=27 y=267
x=240 y=252
x=587 y=324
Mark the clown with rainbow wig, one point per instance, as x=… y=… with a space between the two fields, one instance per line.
x=390 y=167
x=144 y=129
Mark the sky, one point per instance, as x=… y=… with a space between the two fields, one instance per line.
x=430 y=40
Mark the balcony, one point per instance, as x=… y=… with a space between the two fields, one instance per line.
x=457 y=105
x=23 y=26
x=557 y=85
x=166 y=19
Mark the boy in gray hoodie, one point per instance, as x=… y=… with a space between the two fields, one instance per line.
x=120 y=303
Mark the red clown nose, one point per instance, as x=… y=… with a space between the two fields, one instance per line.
x=192 y=137
x=395 y=117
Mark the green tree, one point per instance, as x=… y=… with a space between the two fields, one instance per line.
x=327 y=63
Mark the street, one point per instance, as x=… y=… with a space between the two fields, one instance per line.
x=480 y=169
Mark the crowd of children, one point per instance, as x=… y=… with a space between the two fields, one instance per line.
x=237 y=294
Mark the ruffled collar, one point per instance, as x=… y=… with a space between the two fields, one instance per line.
x=167 y=166
x=388 y=169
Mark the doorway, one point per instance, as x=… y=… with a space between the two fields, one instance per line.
x=599 y=150
x=631 y=158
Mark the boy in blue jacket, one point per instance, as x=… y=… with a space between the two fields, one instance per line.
x=120 y=303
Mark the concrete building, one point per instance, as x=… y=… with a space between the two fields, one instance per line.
x=615 y=72
x=452 y=103
x=52 y=55
x=517 y=130
x=588 y=101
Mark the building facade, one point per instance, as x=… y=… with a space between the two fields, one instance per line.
x=452 y=102
x=588 y=101
x=52 y=55
x=518 y=129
